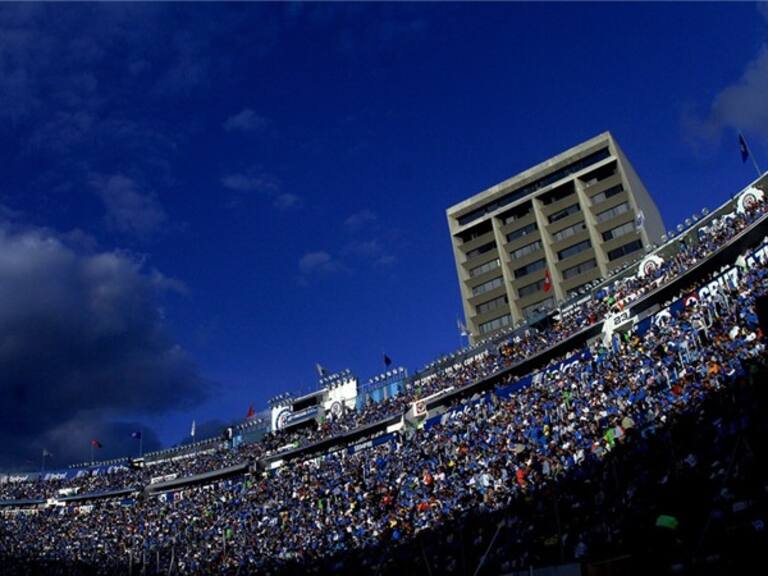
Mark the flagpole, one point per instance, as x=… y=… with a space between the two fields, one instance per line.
x=141 y=443
x=91 y=453
x=751 y=156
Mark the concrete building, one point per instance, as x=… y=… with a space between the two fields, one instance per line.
x=535 y=239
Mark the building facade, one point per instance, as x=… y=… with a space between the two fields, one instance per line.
x=537 y=238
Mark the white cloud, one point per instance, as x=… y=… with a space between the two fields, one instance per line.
x=287 y=201
x=359 y=220
x=263 y=183
x=739 y=106
x=250 y=182
x=129 y=209
x=320 y=261
x=364 y=248
x=373 y=251
x=245 y=121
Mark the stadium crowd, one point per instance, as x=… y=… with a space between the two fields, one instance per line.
x=520 y=345
x=609 y=299
x=485 y=456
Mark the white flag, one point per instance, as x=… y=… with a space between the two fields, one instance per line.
x=640 y=219
x=192 y=432
x=462 y=329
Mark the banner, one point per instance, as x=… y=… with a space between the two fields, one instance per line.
x=749 y=198
x=286 y=417
x=164 y=478
x=372 y=443
x=649 y=265
x=730 y=277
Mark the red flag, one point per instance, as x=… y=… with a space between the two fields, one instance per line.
x=251 y=412
x=547 y=281
x=96 y=444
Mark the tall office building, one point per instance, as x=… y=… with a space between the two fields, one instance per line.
x=535 y=239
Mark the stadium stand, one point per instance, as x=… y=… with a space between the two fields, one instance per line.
x=563 y=442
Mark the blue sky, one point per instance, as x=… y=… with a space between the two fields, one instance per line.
x=274 y=178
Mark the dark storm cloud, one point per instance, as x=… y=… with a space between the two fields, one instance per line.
x=82 y=341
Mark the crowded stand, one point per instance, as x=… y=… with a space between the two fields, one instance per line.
x=493 y=455
x=611 y=298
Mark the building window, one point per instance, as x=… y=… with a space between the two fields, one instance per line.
x=633 y=246
x=530 y=268
x=487 y=286
x=529 y=289
x=487 y=267
x=527 y=249
x=491 y=304
x=579 y=269
x=605 y=194
x=613 y=212
x=557 y=195
x=568 y=232
x=619 y=231
x=520 y=232
x=596 y=177
x=573 y=250
x=509 y=218
x=481 y=250
x=539 y=307
x=542 y=182
x=495 y=324
x=564 y=213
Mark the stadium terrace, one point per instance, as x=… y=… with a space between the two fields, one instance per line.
x=384 y=477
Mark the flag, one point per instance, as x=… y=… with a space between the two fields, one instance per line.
x=640 y=219
x=666 y=521
x=462 y=328
x=321 y=371
x=96 y=444
x=251 y=412
x=192 y=432
x=136 y=435
x=387 y=361
x=47 y=454
x=743 y=148
x=547 y=281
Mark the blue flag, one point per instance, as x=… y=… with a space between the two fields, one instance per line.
x=743 y=148
x=136 y=435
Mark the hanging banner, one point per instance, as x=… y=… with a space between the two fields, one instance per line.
x=649 y=265
x=750 y=197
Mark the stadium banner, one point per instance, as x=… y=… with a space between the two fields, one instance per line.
x=286 y=417
x=372 y=443
x=730 y=277
x=14 y=478
x=617 y=322
x=747 y=199
x=57 y=475
x=453 y=412
x=649 y=265
x=164 y=478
